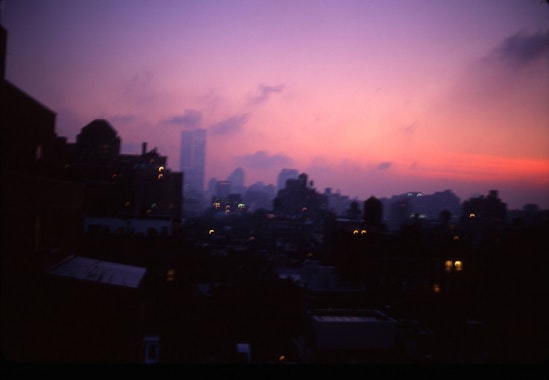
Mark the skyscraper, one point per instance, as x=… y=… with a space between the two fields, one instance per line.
x=192 y=160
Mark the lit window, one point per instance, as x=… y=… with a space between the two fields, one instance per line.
x=160 y=176
x=448 y=265
x=210 y=232
x=161 y=168
x=456 y=237
x=355 y=232
x=363 y=232
x=170 y=275
x=436 y=288
x=458 y=265
x=472 y=215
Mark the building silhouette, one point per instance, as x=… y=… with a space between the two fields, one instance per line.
x=237 y=181
x=400 y=208
x=40 y=216
x=373 y=212
x=133 y=193
x=284 y=175
x=192 y=164
x=259 y=196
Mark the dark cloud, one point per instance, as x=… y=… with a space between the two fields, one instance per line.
x=189 y=119
x=521 y=48
x=264 y=92
x=230 y=126
x=121 y=119
x=262 y=160
x=384 y=165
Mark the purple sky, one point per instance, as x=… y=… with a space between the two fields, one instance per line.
x=366 y=97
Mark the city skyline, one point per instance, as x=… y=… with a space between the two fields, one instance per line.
x=366 y=97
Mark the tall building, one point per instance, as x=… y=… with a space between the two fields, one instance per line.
x=192 y=160
x=284 y=175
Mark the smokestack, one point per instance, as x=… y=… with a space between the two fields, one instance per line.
x=143 y=148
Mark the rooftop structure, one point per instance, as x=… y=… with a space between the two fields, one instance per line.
x=99 y=271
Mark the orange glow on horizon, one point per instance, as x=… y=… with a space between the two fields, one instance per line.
x=485 y=167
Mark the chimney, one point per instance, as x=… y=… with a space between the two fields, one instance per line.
x=143 y=148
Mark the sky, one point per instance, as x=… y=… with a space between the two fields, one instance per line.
x=367 y=97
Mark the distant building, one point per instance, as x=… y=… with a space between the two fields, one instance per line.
x=192 y=159
x=192 y=164
x=337 y=203
x=237 y=181
x=223 y=189
x=300 y=198
x=284 y=175
x=259 y=196
x=488 y=209
x=418 y=205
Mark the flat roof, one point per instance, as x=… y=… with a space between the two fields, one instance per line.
x=99 y=271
